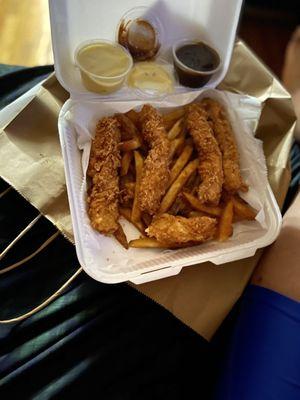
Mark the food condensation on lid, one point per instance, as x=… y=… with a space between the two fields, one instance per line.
x=139 y=32
x=151 y=76
x=139 y=37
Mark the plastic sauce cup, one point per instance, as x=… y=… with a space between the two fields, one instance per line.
x=187 y=75
x=103 y=64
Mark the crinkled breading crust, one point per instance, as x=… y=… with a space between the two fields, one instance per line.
x=103 y=169
x=156 y=171
x=225 y=138
x=176 y=230
x=210 y=157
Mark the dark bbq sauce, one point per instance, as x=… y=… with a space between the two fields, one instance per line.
x=200 y=58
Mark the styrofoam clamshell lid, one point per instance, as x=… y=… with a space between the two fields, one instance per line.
x=75 y=21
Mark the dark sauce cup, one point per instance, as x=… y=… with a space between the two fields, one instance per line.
x=188 y=76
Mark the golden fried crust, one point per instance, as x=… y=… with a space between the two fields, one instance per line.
x=210 y=157
x=103 y=169
x=156 y=171
x=175 y=230
x=225 y=138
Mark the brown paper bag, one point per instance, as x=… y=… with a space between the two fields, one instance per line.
x=200 y=296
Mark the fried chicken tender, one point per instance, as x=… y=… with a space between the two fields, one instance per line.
x=156 y=172
x=175 y=230
x=210 y=157
x=223 y=133
x=103 y=169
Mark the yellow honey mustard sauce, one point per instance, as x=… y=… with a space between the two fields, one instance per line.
x=103 y=66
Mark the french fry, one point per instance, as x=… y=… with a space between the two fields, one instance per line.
x=171 y=117
x=131 y=171
x=225 y=224
x=175 y=145
x=150 y=243
x=126 y=179
x=179 y=206
x=125 y=136
x=126 y=213
x=119 y=234
x=185 y=210
x=197 y=214
x=194 y=188
x=177 y=185
x=180 y=147
x=125 y=162
x=180 y=163
x=130 y=189
x=133 y=116
x=176 y=129
x=143 y=243
x=128 y=128
x=242 y=210
x=139 y=162
x=146 y=218
x=126 y=195
x=195 y=203
x=236 y=218
x=131 y=144
x=130 y=186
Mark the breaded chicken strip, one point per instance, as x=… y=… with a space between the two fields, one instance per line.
x=210 y=157
x=175 y=230
x=103 y=169
x=223 y=133
x=156 y=171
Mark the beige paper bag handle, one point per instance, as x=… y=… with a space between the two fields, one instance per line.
x=44 y=303
x=27 y=258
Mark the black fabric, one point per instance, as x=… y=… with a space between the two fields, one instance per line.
x=295 y=179
x=280 y=5
x=15 y=81
x=95 y=340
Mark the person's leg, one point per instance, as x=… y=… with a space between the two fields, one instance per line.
x=262 y=361
x=279 y=269
x=263 y=354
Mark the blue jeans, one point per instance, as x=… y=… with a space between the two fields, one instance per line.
x=263 y=361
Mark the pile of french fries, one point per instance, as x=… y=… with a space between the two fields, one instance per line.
x=180 y=198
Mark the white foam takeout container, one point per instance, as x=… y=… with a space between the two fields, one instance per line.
x=103 y=258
